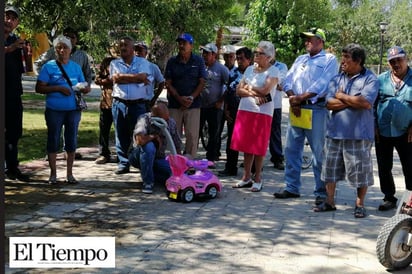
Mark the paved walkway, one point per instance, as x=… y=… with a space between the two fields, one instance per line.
x=239 y=232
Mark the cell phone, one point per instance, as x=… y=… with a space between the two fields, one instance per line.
x=268 y=98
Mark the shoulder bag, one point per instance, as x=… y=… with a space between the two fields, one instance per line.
x=80 y=102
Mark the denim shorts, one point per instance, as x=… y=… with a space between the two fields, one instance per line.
x=55 y=120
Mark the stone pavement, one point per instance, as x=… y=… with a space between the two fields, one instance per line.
x=239 y=232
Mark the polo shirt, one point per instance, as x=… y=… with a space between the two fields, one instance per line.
x=185 y=77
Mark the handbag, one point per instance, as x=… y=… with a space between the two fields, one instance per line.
x=80 y=101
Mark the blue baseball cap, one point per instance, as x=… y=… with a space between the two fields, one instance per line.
x=396 y=52
x=186 y=37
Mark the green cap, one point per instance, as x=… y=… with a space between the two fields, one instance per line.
x=315 y=32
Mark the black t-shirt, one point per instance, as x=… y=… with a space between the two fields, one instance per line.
x=13 y=70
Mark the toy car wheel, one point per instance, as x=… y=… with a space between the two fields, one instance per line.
x=187 y=195
x=212 y=191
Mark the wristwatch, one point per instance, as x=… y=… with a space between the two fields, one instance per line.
x=190 y=97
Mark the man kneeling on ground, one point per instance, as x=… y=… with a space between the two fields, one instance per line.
x=149 y=147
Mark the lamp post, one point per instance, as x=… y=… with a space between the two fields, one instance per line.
x=382 y=27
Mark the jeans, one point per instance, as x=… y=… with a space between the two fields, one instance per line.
x=384 y=155
x=275 y=144
x=125 y=119
x=105 y=123
x=213 y=117
x=55 y=120
x=152 y=170
x=295 y=140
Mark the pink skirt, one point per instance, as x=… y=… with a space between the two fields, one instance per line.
x=251 y=132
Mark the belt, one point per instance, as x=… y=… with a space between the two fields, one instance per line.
x=309 y=102
x=132 y=102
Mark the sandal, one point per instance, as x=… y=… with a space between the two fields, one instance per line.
x=71 y=180
x=52 y=180
x=360 y=212
x=243 y=184
x=324 y=207
x=256 y=187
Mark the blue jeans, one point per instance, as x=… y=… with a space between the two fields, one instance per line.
x=295 y=141
x=151 y=169
x=125 y=119
x=55 y=120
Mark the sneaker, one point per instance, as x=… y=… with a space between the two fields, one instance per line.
x=102 y=160
x=71 y=180
x=386 y=205
x=52 y=180
x=122 y=171
x=147 y=189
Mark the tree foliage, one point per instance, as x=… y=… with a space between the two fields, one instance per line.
x=158 y=22
x=281 y=22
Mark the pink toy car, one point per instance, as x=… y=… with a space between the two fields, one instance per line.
x=190 y=179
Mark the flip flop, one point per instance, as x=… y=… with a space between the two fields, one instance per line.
x=324 y=207
x=243 y=184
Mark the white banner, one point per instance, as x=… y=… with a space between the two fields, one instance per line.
x=62 y=252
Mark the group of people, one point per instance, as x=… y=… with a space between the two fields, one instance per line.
x=348 y=108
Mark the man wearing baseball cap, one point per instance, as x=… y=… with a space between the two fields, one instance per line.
x=394 y=125
x=306 y=86
x=212 y=99
x=13 y=49
x=185 y=79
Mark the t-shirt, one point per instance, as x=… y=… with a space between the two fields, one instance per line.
x=50 y=73
x=216 y=81
x=258 y=80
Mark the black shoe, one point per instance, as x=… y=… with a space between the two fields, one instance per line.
x=17 y=175
x=285 y=195
x=279 y=165
x=386 y=205
x=226 y=173
x=319 y=200
x=122 y=171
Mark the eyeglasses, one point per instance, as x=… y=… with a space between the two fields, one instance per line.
x=258 y=53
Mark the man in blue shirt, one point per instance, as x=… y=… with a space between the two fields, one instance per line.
x=350 y=132
x=306 y=86
x=394 y=124
x=131 y=76
x=185 y=79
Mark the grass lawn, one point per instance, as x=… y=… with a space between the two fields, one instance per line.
x=32 y=145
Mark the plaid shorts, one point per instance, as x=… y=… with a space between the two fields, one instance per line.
x=348 y=157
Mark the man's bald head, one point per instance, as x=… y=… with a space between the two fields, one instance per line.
x=160 y=110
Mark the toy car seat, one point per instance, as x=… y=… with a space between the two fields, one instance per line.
x=177 y=164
